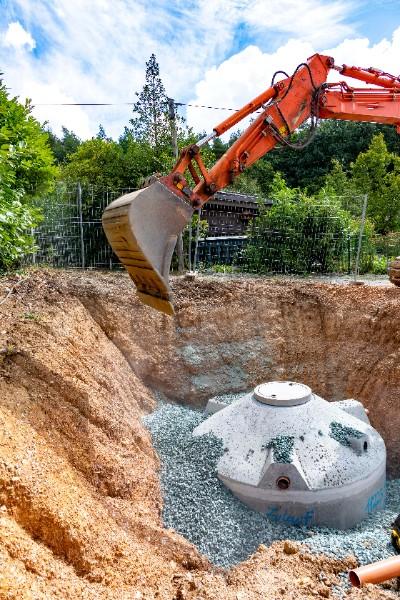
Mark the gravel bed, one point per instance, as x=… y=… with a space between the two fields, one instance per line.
x=197 y=504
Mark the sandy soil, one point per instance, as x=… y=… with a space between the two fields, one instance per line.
x=80 y=359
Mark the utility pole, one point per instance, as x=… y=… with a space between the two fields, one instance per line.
x=174 y=137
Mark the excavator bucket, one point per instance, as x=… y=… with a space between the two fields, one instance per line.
x=142 y=228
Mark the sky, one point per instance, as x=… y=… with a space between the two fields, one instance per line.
x=217 y=53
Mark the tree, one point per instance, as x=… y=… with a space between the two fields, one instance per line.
x=104 y=163
x=376 y=172
x=140 y=161
x=26 y=169
x=219 y=148
x=152 y=121
x=337 y=182
x=64 y=146
x=97 y=162
x=340 y=185
x=101 y=134
x=340 y=140
x=152 y=124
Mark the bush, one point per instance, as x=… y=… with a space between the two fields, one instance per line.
x=379 y=265
x=26 y=168
x=16 y=221
x=300 y=234
x=222 y=268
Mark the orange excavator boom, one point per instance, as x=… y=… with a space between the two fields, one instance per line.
x=142 y=227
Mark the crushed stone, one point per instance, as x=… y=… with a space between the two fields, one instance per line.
x=198 y=506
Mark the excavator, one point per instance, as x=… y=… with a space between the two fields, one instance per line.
x=142 y=227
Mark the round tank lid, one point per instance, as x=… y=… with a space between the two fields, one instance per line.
x=283 y=393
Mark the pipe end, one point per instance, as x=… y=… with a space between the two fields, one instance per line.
x=354 y=579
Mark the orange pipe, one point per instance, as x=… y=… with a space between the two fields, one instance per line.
x=376 y=572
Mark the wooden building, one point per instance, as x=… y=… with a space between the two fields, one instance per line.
x=229 y=213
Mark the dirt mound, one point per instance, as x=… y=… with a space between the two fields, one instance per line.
x=80 y=500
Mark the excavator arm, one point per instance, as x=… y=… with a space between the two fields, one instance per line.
x=142 y=227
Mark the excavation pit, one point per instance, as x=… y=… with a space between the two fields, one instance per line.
x=93 y=505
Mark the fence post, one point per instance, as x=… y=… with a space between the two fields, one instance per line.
x=34 y=253
x=79 y=202
x=348 y=254
x=362 y=225
x=190 y=246
x=196 y=246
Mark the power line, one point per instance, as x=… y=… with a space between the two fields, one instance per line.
x=128 y=104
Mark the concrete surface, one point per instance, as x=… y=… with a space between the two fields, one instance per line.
x=305 y=459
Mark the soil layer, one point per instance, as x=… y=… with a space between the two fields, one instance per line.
x=80 y=361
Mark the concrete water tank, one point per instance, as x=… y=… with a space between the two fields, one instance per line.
x=297 y=458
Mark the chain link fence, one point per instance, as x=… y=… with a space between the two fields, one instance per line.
x=230 y=235
x=325 y=236
x=71 y=234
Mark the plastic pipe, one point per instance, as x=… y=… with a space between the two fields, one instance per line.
x=376 y=572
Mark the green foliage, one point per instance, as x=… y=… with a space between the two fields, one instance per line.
x=32 y=316
x=337 y=182
x=246 y=183
x=26 y=168
x=376 y=172
x=101 y=134
x=63 y=147
x=97 y=162
x=340 y=140
x=387 y=245
x=103 y=163
x=218 y=148
x=222 y=268
x=16 y=221
x=25 y=156
x=264 y=173
x=140 y=161
x=298 y=234
x=379 y=265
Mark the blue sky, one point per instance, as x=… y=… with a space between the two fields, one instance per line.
x=220 y=52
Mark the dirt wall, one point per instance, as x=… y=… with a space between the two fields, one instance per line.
x=229 y=335
x=80 y=358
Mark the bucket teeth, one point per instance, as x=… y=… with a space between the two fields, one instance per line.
x=142 y=229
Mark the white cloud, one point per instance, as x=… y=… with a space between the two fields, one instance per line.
x=312 y=20
x=96 y=52
x=17 y=37
x=383 y=55
x=237 y=80
x=71 y=117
